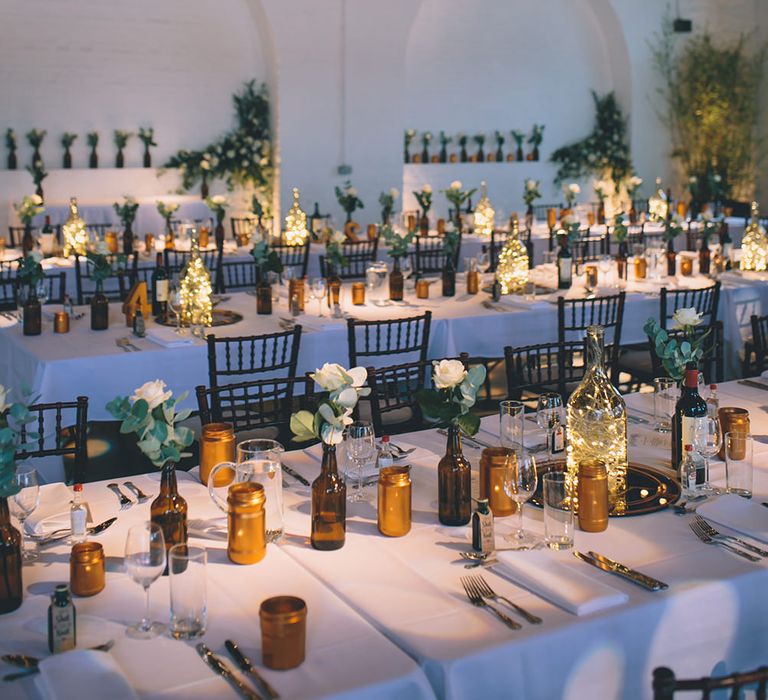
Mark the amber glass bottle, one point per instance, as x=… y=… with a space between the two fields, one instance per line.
x=263 y=296
x=396 y=282
x=454 y=483
x=99 y=309
x=11 y=590
x=329 y=504
x=169 y=510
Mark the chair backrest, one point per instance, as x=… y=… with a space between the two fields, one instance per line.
x=429 y=256
x=704 y=300
x=540 y=210
x=8 y=301
x=115 y=287
x=239 y=274
x=713 y=364
x=394 y=408
x=242 y=225
x=263 y=405
x=359 y=255
x=665 y=684
x=98 y=230
x=759 y=341
x=56 y=285
x=535 y=369
x=253 y=354
x=591 y=245
x=396 y=336
x=58 y=429
x=574 y=316
x=175 y=260
x=295 y=257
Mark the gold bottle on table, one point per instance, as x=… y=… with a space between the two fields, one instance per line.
x=597 y=424
x=394 y=501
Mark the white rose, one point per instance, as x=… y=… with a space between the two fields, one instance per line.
x=3 y=399
x=219 y=199
x=456 y=185
x=574 y=188
x=154 y=393
x=636 y=181
x=36 y=199
x=338 y=237
x=330 y=376
x=394 y=193
x=450 y=227
x=686 y=317
x=101 y=248
x=351 y=191
x=531 y=185
x=332 y=429
x=693 y=179
x=205 y=165
x=427 y=189
x=717 y=178
x=448 y=374
x=230 y=154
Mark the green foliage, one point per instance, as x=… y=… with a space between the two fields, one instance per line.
x=30 y=271
x=67 y=139
x=126 y=212
x=92 y=138
x=424 y=198
x=13 y=417
x=10 y=139
x=147 y=136
x=605 y=152
x=537 y=135
x=451 y=240
x=452 y=406
x=348 y=199
x=397 y=244
x=121 y=137
x=620 y=230
x=267 y=260
x=709 y=99
x=675 y=355
x=35 y=137
x=101 y=269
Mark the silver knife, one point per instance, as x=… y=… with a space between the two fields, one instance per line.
x=753 y=384
x=245 y=665
x=614 y=567
x=292 y=472
x=224 y=671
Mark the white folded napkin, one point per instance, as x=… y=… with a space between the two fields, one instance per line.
x=168 y=337
x=572 y=590
x=52 y=513
x=737 y=513
x=6 y=322
x=371 y=470
x=83 y=674
x=320 y=326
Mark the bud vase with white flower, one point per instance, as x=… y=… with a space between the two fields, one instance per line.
x=407 y=138
x=444 y=141
x=519 y=137
x=387 y=202
x=448 y=405
x=531 y=193
x=31 y=285
x=424 y=198
x=334 y=414
x=674 y=354
x=348 y=199
x=167 y=211
x=126 y=212
x=570 y=192
x=397 y=240
x=426 y=137
x=151 y=412
x=218 y=205
x=457 y=196
x=29 y=207
x=10 y=144
x=267 y=260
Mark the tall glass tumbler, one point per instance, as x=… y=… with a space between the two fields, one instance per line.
x=187 y=566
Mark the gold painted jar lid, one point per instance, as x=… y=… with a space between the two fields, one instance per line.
x=395 y=476
x=592 y=468
x=246 y=493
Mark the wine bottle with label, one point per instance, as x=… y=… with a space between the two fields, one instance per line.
x=564 y=264
x=690 y=411
x=159 y=288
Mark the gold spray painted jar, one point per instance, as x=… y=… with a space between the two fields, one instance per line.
x=593 y=495
x=394 y=505
x=246 y=541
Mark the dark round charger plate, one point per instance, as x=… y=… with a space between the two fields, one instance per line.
x=220 y=317
x=648 y=490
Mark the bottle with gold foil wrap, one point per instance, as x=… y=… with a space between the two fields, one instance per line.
x=246 y=523
x=597 y=424
x=87 y=569
x=493 y=465
x=217 y=445
x=394 y=504
x=593 y=495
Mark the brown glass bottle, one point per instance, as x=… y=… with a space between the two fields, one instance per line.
x=396 y=282
x=449 y=277
x=169 y=510
x=601 y=214
x=621 y=260
x=32 y=314
x=27 y=240
x=334 y=289
x=263 y=296
x=128 y=240
x=329 y=504
x=454 y=483
x=704 y=257
x=671 y=259
x=99 y=310
x=11 y=589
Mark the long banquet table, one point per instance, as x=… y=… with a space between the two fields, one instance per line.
x=710 y=620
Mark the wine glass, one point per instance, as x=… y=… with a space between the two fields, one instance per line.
x=317 y=290
x=520 y=479
x=708 y=439
x=144 y=562
x=548 y=410
x=361 y=448
x=24 y=503
x=174 y=304
x=484 y=260
x=604 y=265
x=406 y=267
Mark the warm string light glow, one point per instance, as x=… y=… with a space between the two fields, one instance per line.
x=195 y=289
x=74 y=232
x=296 y=232
x=754 y=244
x=512 y=266
x=597 y=425
x=484 y=213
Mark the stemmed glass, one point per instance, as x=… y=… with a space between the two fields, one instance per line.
x=604 y=265
x=174 y=304
x=511 y=424
x=144 y=562
x=708 y=439
x=361 y=448
x=406 y=267
x=23 y=504
x=317 y=291
x=484 y=260
x=520 y=479
x=548 y=410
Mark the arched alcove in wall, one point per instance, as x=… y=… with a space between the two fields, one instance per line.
x=480 y=65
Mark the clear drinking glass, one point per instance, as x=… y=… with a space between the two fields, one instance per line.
x=144 y=563
x=665 y=396
x=360 y=444
x=23 y=505
x=317 y=291
x=708 y=437
x=174 y=304
x=604 y=265
x=189 y=600
x=548 y=412
x=511 y=424
x=483 y=260
x=406 y=267
x=738 y=463
x=558 y=516
x=520 y=484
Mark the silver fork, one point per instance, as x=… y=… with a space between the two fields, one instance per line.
x=130 y=345
x=477 y=599
x=715 y=535
x=120 y=342
x=487 y=592
x=125 y=502
x=704 y=537
x=400 y=451
x=140 y=495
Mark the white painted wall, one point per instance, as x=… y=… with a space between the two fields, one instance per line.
x=469 y=65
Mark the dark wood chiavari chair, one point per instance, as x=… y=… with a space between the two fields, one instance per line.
x=705 y=300
x=238 y=275
x=359 y=255
x=591 y=245
x=429 y=256
x=713 y=364
x=756 y=349
x=116 y=286
x=294 y=257
x=401 y=337
x=666 y=685
x=16 y=234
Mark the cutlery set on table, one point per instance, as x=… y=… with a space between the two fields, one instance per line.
x=221 y=667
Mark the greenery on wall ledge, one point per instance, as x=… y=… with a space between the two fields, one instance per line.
x=709 y=102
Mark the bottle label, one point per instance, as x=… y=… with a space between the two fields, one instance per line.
x=161 y=290
x=558 y=439
x=78 y=517
x=688 y=429
x=484 y=522
x=63 y=622
x=565 y=266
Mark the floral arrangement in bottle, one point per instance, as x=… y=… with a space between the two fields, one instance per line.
x=218 y=205
x=424 y=198
x=267 y=260
x=334 y=251
x=499 y=145
x=126 y=211
x=454 y=394
x=120 y=137
x=570 y=192
x=709 y=225
x=167 y=211
x=676 y=354
x=67 y=139
x=348 y=199
x=519 y=138
x=30 y=206
x=387 y=202
x=147 y=137
x=461 y=139
x=531 y=192
x=444 y=141
x=535 y=139
x=479 y=139
x=13 y=417
x=92 y=139
x=408 y=137
x=151 y=412
x=632 y=185
x=35 y=138
x=101 y=267
x=397 y=240
x=426 y=137
x=30 y=272
x=10 y=144
x=673 y=226
x=620 y=230
x=457 y=196
x=334 y=414
x=450 y=240
x=602 y=190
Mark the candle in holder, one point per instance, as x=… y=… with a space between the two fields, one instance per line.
x=358 y=293
x=204 y=233
x=590 y=272
x=149 y=242
x=732 y=420
x=110 y=237
x=686 y=265
x=283 y=632
x=246 y=523
x=551 y=217
x=440 y=227
x=297 y=288
x=394 y=501
x=493 y=468
x=411 y=222
x=641 y=267
x=217 y=444
x=87 y=569
x=372 y=232
x=422 y=289
x=61 y=322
